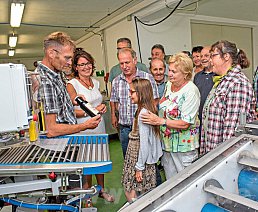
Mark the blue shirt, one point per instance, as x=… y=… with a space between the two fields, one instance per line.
x=203 y=81
x=161 y=88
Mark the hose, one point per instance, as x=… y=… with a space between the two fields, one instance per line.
x=40 y=206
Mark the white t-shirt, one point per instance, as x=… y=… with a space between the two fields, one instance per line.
x=94 y=97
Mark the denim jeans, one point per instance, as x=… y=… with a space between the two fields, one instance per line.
x=124 y=137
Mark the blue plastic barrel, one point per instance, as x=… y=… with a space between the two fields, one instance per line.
x=248 y=184
x=212 y=208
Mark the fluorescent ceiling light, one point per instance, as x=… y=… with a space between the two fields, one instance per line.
x=11 y=52
x=16 y=14
x=13 y=40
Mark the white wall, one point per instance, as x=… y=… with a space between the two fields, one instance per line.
x=234 y=22
x=255 y=46
x=28 y=62
x=174 y=34
x=241 y=36
x=121 y=29
x=92 y=45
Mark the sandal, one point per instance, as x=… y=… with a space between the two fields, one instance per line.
x=87 y=203
x=106 y=196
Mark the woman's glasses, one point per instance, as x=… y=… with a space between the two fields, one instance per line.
x=132 y=91
x=88 y=64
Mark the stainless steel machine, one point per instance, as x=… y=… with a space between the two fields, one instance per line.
x=31 y=172
x=225 y=179
x=39 y=170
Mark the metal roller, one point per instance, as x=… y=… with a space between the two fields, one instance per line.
x=79 y=152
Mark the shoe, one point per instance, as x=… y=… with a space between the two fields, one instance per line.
x=106 y=196
x=87 y=203
x=160 y=167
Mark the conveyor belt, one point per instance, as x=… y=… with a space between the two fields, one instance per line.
x=86 y=153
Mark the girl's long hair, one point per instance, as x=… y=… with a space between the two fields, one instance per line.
x=145 y=99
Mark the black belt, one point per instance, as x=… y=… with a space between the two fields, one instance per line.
x=125 y=125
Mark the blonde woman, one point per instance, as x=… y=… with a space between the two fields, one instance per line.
x=178 y=120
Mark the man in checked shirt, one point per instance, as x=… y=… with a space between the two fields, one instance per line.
x=120 y=94
x=60 y=117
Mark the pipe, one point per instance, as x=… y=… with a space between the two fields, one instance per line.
x=40 y=206
x=212 y=208
x=248 y=184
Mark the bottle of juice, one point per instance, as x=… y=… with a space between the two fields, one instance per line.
x=33 y=128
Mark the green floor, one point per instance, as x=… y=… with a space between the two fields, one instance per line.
x=113 y=181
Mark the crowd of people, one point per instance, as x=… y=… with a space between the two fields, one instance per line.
x=176 y=110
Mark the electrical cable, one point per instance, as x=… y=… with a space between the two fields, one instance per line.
x=153 y=24
x=137 y=31
x=76 y=27
x=60 y=26
x=56 y=26
x=137 y=36
x=182 y=8
x=116 y=10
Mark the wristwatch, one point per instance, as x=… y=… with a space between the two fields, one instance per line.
x=164 y=123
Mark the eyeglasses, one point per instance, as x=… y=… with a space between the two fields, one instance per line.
x=84 y=64
x=132 y=91
x=67 y=58
x=213 y=55
x=118 y=48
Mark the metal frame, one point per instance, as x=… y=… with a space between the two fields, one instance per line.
x=163 y=194
x=213 y=186
x=80 y=154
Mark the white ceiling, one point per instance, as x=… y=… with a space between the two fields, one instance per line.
x=42 y=17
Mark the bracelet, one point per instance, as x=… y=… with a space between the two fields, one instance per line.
x=165 y=123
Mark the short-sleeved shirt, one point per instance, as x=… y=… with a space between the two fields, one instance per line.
x=161 y=88
x=94 y=97
x=120 y=94
x=233 y=95
x=180 y=105
x=56 y=99
x=203 y=81
x=255 y=86
x=116 y=70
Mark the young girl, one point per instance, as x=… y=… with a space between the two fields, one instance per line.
x=144 y=148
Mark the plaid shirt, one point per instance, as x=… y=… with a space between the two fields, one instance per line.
x=233 y=95
x=120 y=94
x=56 y=99
x=255 y=85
